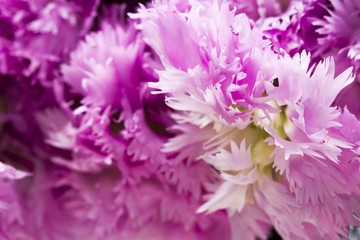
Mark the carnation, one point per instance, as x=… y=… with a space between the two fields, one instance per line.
x=196 y=119
x=258 y=124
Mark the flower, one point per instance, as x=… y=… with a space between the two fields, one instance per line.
x=10 y=208
x=258 y=10
x=109 y=186
x=339 y=32
x=257 y=114
x=189 y=119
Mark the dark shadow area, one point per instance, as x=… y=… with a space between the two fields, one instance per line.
x=131 y=5
x=274 y=235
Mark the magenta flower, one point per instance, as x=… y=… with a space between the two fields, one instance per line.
x=186 y=119
x=113 y=187
x=340 y=32
x=258 y=10
x=10 y=210
x=258 y=115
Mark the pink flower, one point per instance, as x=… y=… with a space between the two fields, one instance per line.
x=114 y=180
x=256 y=114
x=11 y=221
x=340 y=32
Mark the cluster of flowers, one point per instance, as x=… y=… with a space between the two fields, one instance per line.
x=182 y=119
